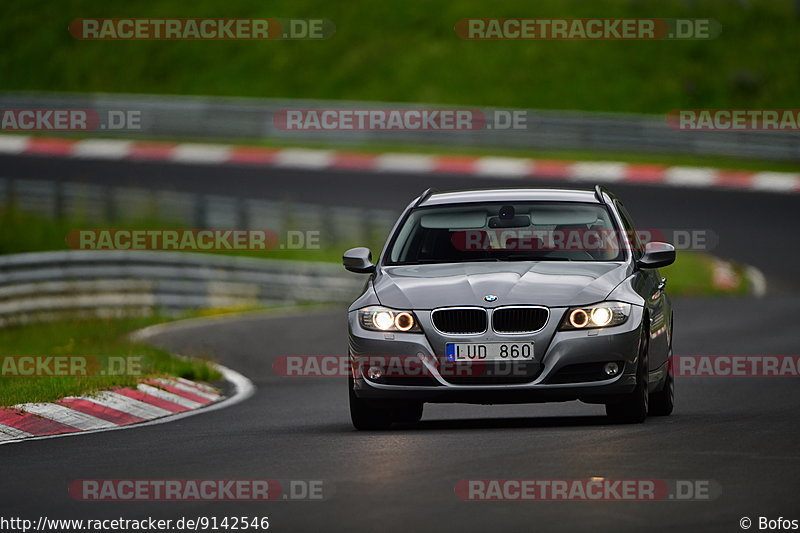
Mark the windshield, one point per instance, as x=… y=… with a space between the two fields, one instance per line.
x=529 y=231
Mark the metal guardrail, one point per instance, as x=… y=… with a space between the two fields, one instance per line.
x=337 y=226
x=193 y=117
x=51 y=285
x=83 y=283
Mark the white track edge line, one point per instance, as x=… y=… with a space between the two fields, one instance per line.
x=758 y=282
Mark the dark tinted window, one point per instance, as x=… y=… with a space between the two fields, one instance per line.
x=525 y=231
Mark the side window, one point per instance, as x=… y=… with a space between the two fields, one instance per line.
x=630 y=229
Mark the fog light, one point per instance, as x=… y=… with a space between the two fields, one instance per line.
x=611 y=369
x=374 y=372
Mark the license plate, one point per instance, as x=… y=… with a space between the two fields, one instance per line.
x=490 y=351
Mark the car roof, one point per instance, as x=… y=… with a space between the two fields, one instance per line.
x=509 y=195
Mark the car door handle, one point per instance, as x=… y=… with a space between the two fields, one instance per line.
x=662 y=284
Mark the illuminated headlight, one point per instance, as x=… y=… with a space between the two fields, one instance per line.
x=385 y=319
x=601 y=315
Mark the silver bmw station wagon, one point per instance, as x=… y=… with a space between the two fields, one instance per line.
x=511 y=296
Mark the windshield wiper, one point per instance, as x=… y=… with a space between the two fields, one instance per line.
x=517 y=258
x=443 y=261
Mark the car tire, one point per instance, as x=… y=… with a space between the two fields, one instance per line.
x=407 y=412
x=663 y=401
x=633 y=407
x=367 y=414
x=379 y=414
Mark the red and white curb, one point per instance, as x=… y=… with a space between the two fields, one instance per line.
x=725 y=277
x=150 y=400
x=153 y=401
x=497 y=167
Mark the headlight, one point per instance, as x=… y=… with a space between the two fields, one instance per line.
x=385 y=319
x=601 y=315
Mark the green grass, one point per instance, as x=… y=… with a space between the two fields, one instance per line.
x=25 y=231
x=692 y=274
x=31 y=232
x=101 y=339
x=404 y=51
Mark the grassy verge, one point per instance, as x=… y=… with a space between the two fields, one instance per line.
x=101 y=341
x=31 y=232
x=399 y=51
x=698 y=274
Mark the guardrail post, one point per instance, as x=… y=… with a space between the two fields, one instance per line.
x=242 y=214
x=201 y=211
x=11 y=192
x=328 y=231
x=58 y=200
x=286 y=219
x=110 y=204
x=369 y=228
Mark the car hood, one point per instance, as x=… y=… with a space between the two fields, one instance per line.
x=548 y=283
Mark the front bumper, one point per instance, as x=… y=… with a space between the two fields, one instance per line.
x=566 y=366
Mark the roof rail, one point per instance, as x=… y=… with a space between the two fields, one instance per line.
x=599 y=191
x=424 y=196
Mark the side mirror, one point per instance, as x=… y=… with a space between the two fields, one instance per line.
x=358 y=260
x=657 y=255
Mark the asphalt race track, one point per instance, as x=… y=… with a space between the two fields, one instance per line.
x=742 y=433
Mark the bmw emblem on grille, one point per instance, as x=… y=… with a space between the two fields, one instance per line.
x=490 y=297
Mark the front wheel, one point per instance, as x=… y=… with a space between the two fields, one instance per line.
x=632 y=408
x=663 y=401
x=379 y=414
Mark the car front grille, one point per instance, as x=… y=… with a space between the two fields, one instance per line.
x=519 y=319
x=460 y=321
